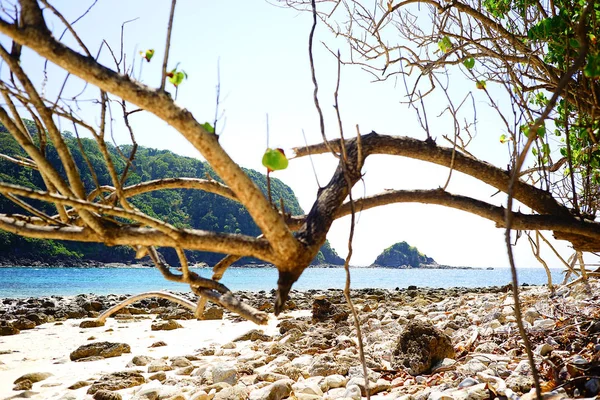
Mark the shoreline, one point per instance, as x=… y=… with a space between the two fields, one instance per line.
x=310 y=351
x=95 y=264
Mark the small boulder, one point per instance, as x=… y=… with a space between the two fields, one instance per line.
x=420 y=347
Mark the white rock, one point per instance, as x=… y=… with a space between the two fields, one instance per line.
x=352 y=392
x=334 y=381
x=200 y=395
x=222 y=372
x=544 y=324
x=308 y=387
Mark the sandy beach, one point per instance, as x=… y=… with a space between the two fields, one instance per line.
x=420 y=344
x=47 y=347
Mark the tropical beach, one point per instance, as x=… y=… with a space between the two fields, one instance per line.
x=299 y=200
x=419 y=344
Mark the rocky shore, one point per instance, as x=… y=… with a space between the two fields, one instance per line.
x=421 y=344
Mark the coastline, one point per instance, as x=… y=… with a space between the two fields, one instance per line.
x=26 y=263
x=309 y=352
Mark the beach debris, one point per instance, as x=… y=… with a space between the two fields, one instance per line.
x=89 y=352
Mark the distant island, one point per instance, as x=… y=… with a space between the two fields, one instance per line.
x=404 y=256
x=181 y=207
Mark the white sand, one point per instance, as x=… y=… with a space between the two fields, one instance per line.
x=47 y=347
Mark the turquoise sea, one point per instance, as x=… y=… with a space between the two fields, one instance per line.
x=31 y=281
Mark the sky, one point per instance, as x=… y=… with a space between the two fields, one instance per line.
x=259 y=51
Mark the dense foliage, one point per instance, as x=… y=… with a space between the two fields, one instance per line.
x=402 y=254
x=181 y=207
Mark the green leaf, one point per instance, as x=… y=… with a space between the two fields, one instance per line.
x=445 y=44
x=592 y=68
x=469 y=63
x=541 y=131
x=177 y=77
x=208 y=127
x=147 y=55
x=503 y=138
x=481 y=85
x=275 y=160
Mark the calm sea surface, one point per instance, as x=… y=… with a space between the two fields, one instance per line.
x=26 y=282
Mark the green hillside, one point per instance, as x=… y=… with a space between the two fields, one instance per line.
x=180 y=207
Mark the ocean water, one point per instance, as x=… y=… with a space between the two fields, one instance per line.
x=27 y=282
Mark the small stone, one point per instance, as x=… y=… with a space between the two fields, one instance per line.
x=184 y=370
x=254 y=335
x=544 y=324
x=200 y=395
x=157 y=366
x=140 y=361
x=352 y=392
x=543 y=349
x=237 y=392
x=222 y=372
x=166 y=325
x=25 y=384
x=160 y=376
x=107 y=395
x=180 y=362
x=468 y=382
x=117 y=381
x=24 y=324
x=275 y=391
x=33 y=377
x=91 y=323
x=213 y=313
x=8 y=329
x=79 y=385
x=99 y=349
x=160 y=343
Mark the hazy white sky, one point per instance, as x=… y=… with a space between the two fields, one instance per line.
x=262 y=53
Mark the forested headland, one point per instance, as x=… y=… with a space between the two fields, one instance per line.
x=180 y=207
